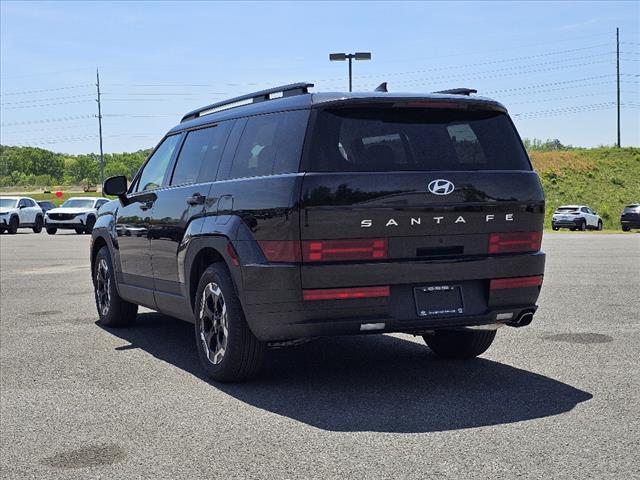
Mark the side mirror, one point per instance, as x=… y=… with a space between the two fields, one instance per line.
x=116 y=186
x=22 y=206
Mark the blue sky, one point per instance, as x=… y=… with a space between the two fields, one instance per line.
x=552 y=64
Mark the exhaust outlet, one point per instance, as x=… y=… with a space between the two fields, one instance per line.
x=523 y=320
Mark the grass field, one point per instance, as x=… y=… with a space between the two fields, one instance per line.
x=606 y=179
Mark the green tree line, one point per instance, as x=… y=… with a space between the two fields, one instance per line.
x=21 y=166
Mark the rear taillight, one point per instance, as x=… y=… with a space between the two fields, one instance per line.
x=325 y=250
x=344 y=250
x=345 y=293
x=280 y=250
x=516 y=282
x=515 y=242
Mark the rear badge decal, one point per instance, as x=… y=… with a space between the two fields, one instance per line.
x=416 y=221
x=441 y=186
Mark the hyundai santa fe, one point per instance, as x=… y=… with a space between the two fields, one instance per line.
x=285 y=215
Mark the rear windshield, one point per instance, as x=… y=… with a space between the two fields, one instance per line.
x=392 y=139
x=567 y=209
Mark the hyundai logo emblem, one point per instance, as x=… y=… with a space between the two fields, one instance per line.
x=441 y=187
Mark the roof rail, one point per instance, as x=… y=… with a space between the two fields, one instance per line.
x=459 y=91
x=285 y=91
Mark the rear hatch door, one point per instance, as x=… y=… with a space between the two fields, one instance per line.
x=433 y=182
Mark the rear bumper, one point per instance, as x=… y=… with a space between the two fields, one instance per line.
x=631 y=222
x=272 y=295
x=566 y=223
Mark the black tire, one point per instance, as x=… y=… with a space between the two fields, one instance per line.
x=242 y=354
x=37 y=228
x=583 y=226
x=112 y=310
x=599 y=228
x=625 y=228
x=14 y=224
x=91 y=221
x=460 y=344
x=79 y=230
x=555 y=228
x=52 y=230
x=2 y=229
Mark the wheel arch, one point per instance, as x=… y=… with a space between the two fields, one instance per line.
x=202 y=252
x=98 y=243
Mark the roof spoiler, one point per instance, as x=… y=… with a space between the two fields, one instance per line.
x=261 y=96
x=459 y=91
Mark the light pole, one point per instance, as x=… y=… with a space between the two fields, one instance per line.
x=341 y=57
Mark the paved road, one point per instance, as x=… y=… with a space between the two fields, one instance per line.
x=559 y=399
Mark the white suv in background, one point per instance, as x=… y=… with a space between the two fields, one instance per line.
x=77 y=213
x=576 y=217
x=20 y=212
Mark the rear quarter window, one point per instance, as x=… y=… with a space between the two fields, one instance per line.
x=270 y=144
x=391 y=139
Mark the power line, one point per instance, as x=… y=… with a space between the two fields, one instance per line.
x=50 y=99
x=467 y=53
x=48 y=120
x=46 y=104
x=26 y=92
x=489 y=74
x=458 y=67
x=556 y=99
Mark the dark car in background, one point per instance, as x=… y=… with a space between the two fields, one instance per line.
x=46 y=205
x=284 y=215
x=630 y=217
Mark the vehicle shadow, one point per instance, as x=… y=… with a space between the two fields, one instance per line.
x=370 y=383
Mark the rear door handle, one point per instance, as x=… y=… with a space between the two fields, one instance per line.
x=196 y=199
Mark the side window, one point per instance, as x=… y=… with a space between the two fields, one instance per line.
x=29 y=203
x=99 y=203
x=22 y=203
x=585 y=209
x=201 y=152
x=270 y=144
x=154 y=170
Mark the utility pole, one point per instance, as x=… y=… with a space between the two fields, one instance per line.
x=618 y=78
x=100 y=127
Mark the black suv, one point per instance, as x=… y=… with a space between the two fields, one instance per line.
x=630 y=217
x=284 y=215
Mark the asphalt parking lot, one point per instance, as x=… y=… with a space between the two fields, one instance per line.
x=558 y=399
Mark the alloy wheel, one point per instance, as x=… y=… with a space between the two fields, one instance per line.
x=214 y=325
x=103 y=286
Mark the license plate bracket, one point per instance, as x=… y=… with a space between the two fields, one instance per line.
x=439 y=300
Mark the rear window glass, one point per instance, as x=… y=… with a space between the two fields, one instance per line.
x=391 y=139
